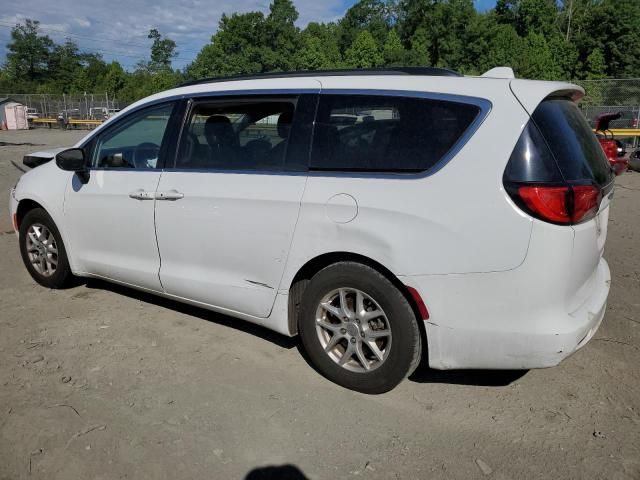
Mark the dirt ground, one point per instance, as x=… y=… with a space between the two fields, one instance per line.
x=103 y=382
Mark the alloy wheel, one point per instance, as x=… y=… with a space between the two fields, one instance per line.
x=353 y=329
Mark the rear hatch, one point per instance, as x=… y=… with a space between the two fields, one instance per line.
x=558 y=173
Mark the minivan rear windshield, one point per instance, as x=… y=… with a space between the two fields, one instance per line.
x=577 y=152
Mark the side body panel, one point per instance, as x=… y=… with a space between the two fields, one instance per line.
x=112 y=234
x=225 y=242
x=457 y=220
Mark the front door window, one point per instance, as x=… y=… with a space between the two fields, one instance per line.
x=135 y=142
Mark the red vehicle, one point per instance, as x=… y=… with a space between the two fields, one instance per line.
x=613 y=149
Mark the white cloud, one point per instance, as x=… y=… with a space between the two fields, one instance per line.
x=82 y=22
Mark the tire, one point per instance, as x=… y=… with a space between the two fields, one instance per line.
x=39 y=237
x=386 y=318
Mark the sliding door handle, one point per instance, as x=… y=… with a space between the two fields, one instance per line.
x=169 y=195
x=141 y=195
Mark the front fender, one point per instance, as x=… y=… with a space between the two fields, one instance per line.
x=46 y=186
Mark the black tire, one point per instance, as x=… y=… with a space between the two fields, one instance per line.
x=62 y=275
x=405 y=349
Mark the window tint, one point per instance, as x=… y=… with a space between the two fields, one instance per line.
x=135 y=141
x=574 y=145
x=386 y=133
x=531 y=160
x=240 y=136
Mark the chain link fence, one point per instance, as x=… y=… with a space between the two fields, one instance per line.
x=62 y=108
x=612 y=96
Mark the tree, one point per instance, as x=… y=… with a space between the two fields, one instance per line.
x=440 y=26
x=374 y=16
x=528 y=16
x=595 y=65
x=237 y=47
x=281 y=36
x=319 y=48
x=537 y=59
x=419 y=54
x=29 y=51
x=612 y=26
x=364 y=52
x=162 y=51
x=545 y=39
x=393 y=52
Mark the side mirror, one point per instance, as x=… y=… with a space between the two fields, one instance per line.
x=72 y=160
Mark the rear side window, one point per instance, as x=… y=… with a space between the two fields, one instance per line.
x=573 y=144
x=386 y=133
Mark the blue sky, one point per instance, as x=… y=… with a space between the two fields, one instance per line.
x=118 y=28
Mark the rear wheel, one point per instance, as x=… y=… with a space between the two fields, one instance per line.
x=358 y=329
x=42 y=250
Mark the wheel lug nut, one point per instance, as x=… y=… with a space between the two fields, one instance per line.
x=353 y=340
x=343 y=330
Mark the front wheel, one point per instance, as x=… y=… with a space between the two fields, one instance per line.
x=358 y=329
x=42 y=250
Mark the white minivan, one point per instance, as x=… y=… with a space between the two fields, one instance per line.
x=379 y=214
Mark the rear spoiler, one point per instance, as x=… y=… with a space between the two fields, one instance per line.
x=531 y=92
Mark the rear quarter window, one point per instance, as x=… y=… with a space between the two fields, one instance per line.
x=370 y=133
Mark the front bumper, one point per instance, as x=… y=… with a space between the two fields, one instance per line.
x=13 y=209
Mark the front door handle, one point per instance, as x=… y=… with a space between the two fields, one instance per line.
x=169 y=195
x=142 y=195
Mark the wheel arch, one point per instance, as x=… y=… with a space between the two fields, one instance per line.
x=314 y=265
x=25 y=206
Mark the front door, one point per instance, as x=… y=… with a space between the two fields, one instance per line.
x=110 y=219
x=233 y=200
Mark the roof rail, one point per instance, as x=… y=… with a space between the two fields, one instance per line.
x=426 y=71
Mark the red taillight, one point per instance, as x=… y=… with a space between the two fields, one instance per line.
x=563 y=205
x=610 y=148
x=586 y=200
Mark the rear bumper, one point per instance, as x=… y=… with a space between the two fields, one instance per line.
x=496 y=321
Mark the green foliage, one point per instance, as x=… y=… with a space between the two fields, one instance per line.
x=319 y=49
x=393 y=51
x=29 y=52
x=162 y=51
x=374 y=16
x=544 y=39
x=364 y=52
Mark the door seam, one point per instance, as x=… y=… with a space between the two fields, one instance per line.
x=155 y=230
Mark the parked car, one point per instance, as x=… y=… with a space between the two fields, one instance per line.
x=613 y=149
x=634 y=160
x=69 y=113
x=32 y=113
x=466 y=223
x=98 y=113
x=102 y=113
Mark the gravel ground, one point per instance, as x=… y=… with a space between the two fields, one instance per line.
x=103 y=382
